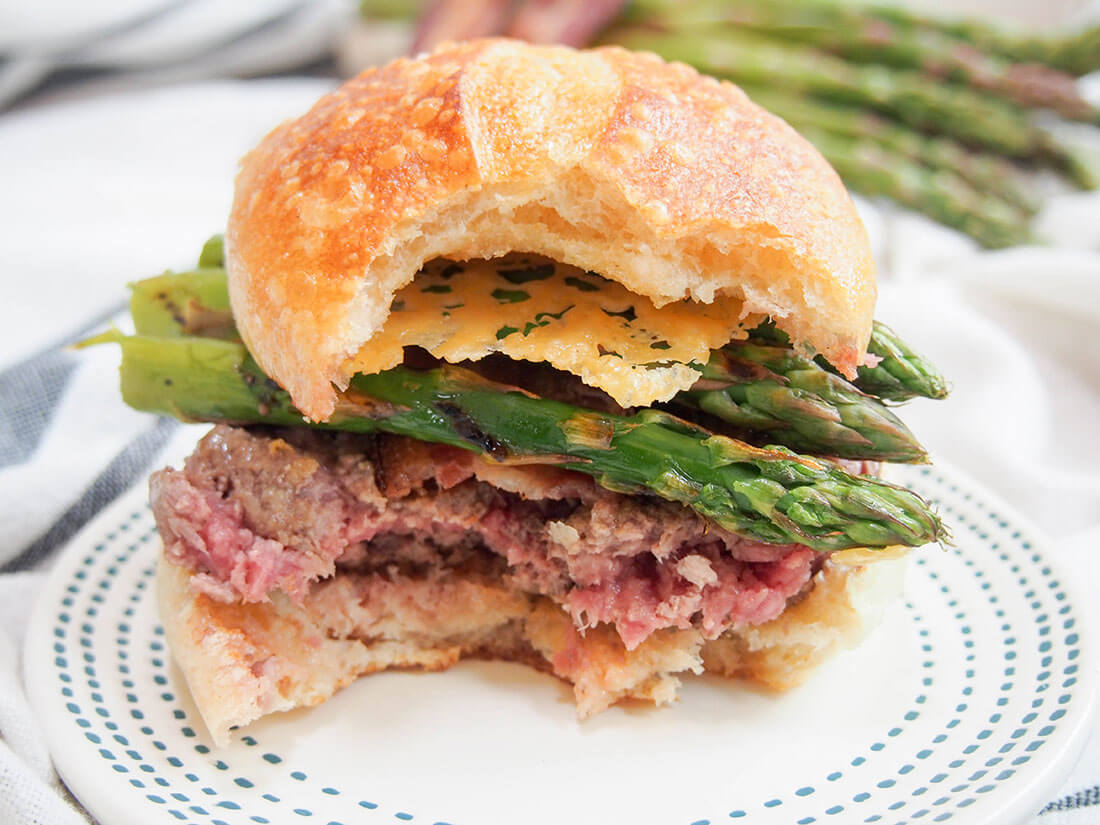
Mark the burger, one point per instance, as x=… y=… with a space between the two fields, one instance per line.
x=559 y=357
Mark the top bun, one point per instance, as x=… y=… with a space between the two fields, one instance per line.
x=646 y=172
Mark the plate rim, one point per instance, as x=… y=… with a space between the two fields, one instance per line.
x=1023 y=805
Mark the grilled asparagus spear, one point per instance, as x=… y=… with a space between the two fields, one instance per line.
x=770 y=494
x=791 y=400
x=768 y=391
x=213 y=252
x=899 y=374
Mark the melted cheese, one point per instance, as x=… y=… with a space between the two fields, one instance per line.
x=534 y=309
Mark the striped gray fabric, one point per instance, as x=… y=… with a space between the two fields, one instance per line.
x=1087 y=798
x=28 y=396
x=183 y=40
x=128 y=467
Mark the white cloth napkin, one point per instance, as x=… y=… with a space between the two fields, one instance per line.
x=106 y=191
x=108 y=44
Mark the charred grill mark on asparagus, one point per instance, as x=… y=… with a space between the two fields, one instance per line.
x=767 y=391
x=770 y=494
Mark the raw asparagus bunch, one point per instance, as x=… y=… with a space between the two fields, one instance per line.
x=768 y=494
x=392 y=9
x=763 y=390
x=871 y=168
x=1076 y=53
x=866 y=34
x=985 y=173
x=884 y=151
x=920 y=102
x=927 y=111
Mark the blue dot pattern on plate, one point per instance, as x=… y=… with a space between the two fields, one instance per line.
x=916 y=768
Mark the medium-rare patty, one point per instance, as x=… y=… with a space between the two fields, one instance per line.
x=255 y=510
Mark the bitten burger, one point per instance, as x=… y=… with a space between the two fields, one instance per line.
x=527 y=353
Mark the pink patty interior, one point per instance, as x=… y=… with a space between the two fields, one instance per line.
x=255 y=511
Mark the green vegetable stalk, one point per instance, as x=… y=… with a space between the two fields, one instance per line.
x=899 y=373
x=871 y=168
x=867 y=34
x=918 y=101
x=768 y=392
x=769 y=494
x=792 y=400
x=850 y=126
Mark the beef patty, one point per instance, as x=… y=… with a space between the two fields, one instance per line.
x=256 y=510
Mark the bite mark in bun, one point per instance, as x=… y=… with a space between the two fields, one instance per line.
x=671 y=183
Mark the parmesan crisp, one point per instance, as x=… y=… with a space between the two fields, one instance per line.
x=534 y=309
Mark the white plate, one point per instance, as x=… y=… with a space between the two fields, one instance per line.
x=968 y=705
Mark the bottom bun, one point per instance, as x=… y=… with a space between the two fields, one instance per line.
x=242 y=661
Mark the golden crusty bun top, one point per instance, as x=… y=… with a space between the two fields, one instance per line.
x=670 y=183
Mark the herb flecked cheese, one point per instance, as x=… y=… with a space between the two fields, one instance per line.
x=531 y=308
